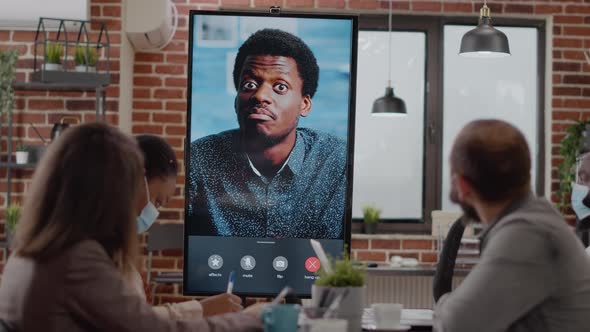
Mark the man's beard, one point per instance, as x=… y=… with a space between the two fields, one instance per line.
x=468 y=211
x=255 y=138
x=258 y=140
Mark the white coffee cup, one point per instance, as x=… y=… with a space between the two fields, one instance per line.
x=387 y=315
x=327 y=325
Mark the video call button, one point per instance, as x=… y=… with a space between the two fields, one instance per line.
x=248 y=262
x=280 y=263
x=312 y=264
x=215 y=262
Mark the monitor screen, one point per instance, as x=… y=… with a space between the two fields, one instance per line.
x=270 y=132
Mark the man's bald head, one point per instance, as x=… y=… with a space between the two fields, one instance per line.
x=494 y=158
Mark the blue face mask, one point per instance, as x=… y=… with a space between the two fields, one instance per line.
x=579 y=192
x=148 y=215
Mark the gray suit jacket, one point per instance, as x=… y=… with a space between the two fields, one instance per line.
x=81 y=290
x=533 y=275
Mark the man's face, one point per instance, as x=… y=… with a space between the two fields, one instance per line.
x=269 y=100
x=468 y=209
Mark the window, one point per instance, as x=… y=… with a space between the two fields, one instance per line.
x=389 y=150
x=504 y=88
x=401 y=163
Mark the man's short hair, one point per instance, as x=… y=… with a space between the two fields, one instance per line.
x=494 y=157
x=280 y=43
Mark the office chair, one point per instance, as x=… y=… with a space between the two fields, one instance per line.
x=164 y=237
x=443 y=277
x=4 y=327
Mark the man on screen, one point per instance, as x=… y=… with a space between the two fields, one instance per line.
x=269 y=178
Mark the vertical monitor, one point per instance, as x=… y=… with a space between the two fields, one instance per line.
x=270 y=132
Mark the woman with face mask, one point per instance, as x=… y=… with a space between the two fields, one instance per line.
x=161 y=170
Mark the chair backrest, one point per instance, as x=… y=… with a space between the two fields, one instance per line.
x=165 y=236
x=443 y=277
x=5 y=328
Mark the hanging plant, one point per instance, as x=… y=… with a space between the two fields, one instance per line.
x=7 y=75
x=571 y=146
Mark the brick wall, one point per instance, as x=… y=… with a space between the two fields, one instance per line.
x=159 y=91
x=44 y=108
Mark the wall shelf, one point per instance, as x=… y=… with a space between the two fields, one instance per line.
x=12 y=165
x=100 y=94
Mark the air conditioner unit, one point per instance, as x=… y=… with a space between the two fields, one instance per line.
x=24 y=14
x=150 y=24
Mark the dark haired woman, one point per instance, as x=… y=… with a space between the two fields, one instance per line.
x=77 y=238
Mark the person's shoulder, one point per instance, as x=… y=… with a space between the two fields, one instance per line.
x=214 y=140
x=535 y=222
x=323 y=141
x=535 y=212
x=213 y=146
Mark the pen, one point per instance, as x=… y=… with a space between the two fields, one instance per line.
x=230 y=282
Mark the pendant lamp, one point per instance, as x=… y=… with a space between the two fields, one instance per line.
x=484 y=41
x=389 y=104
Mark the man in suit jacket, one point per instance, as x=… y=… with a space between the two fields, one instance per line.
x=533 y=274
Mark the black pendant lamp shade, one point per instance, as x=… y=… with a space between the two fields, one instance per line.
x=484 y=40
x=389 y=104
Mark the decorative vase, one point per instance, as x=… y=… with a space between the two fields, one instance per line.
x=84 y=69
x=53 y=66
x=351 y=306
x=370 y=227
x=22 y=157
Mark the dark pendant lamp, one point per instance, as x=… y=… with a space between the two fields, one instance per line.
x=484 y=41
x=389 y=104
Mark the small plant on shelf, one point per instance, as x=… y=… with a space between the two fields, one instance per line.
x=86 y=59
x=371 y=216
x=53 y=55
x=12 y=214
x=22 y=153
x=12 y=217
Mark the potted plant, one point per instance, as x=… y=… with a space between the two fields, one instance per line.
x=86 y=59
x=371 y=216
x=53 y=54
x=12 y=216
x=346 y=280
x=22 y=153
x=7 y=75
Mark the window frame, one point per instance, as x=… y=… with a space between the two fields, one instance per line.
x=433 y=27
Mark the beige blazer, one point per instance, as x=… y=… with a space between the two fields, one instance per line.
x=184 y=310
x=82 y=290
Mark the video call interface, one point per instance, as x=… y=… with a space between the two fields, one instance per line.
x=269 y=144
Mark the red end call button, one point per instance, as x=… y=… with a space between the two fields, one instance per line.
x=312 y=264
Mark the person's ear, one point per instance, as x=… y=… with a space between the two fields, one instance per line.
x=236 y=104
x=464 y=188
x=305 y=106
